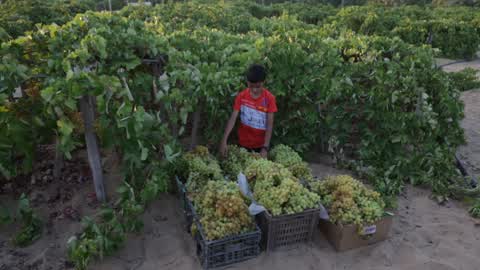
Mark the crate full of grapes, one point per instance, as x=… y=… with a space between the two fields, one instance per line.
x=289 y=212
x=223 y=230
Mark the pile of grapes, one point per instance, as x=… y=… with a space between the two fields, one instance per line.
x=286 y=156
x=222 y=211
x=348 y=201
x=220 y=207
x=198 y=167
x=275 y=187
x=236 y=161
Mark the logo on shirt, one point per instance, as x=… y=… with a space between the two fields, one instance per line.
x=253 y=118
x=263 y=107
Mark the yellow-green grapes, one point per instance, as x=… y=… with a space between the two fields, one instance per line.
x=286 y=156
x=236 y=161
x=278 y=190
x=199 y=167
x=348 y=201
x=222 y=211
x=262 y=169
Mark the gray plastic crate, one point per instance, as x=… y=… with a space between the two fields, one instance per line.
x=225 y=251
x=228 y=250
x=287 y=231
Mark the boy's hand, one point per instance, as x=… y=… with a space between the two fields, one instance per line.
x=223 y=149
x=264 y=153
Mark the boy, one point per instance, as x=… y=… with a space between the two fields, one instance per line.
x=256 y=106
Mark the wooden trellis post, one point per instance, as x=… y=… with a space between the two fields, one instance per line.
x=87 y=106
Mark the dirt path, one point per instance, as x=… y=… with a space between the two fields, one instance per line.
x=60 y=205
x=470 y=153
x=451 y=66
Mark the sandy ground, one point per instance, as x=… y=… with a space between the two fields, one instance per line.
x=425 y=235
x=469 y=153
x=451 y=66
x=60 y=205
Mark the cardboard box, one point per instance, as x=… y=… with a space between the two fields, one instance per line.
x=345 y=237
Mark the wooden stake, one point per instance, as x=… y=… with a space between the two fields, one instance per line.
x=195 y=127
x=59 y=160
x=88 y=111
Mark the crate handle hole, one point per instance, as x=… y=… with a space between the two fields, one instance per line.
x=199 y=249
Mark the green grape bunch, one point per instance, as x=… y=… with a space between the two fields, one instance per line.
x=262 y=169
x=278 y=190
x=348 y=201
x=198 y=167
x=236 y=161
x=222 y=211
x=289 y=158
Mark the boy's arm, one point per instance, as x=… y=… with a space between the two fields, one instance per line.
x=268 y=133
x=228 y=130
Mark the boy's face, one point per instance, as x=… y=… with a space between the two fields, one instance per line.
x=255 y=88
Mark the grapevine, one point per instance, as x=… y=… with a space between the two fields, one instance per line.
x=375 y=93
x=32 y=225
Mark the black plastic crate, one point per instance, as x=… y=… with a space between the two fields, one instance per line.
x=229 y=250
x=182 y=193
x=184 y=203
x=225 y=251
x=287 y=231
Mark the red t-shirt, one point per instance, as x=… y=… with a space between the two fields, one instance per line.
x=253 y=117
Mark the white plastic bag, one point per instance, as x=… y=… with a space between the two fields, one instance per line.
x=254 y=207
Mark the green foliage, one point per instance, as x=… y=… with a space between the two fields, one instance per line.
x=475 y=210
x=102 y=237
x=379 y=108
x=453 y=30
x=380 y=98
x=4 y=36
x=19 y=16
x=31 y=225
x=97 y=239
x=5 y=216
x=466 y=79
x=455 y=39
